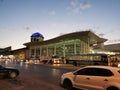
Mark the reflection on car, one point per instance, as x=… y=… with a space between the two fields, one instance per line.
x=8 y=72
x=92 y=78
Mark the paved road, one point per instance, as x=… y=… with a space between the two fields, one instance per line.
x=46 y=74
x=32 y=75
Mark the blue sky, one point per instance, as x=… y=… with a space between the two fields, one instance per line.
x=19 y=19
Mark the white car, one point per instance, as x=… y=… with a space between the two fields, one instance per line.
x=92 y=78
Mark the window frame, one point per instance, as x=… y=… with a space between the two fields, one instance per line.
x=95 y=72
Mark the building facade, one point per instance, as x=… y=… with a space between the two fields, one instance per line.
x=5 y=51
x=20 y=54
x=64 y=45
x=112 y=48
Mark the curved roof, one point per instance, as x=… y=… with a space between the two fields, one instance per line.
x=69 y=36
x=37 y=34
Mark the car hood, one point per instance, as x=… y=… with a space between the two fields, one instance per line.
x=10 y=68
x=68 y=73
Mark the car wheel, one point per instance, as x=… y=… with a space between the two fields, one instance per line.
x=112 y=88
x=67 y=84
x=13 y=75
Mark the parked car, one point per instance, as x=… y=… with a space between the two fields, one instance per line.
x=8 y=72
x=92 y=78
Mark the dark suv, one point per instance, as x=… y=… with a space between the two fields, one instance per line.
x=8 y=72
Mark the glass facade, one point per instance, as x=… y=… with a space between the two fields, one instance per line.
x=44 y=51
x=64 y=45
x=37 y=52
x=69 y=47
x=61 y=49
x=78 y=46
x=51 y=49
x=32 y=53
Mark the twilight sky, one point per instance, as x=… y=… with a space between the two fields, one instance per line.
x=19 y=19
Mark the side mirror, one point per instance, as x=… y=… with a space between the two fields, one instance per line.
x=75 y=73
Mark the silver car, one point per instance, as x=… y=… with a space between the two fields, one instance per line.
x=92 y=78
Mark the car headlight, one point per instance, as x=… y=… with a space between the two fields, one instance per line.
x=119 y=65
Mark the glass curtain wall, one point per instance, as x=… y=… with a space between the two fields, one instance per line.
x=51 y=50
x=37 y=52
x=78 y=46
x=61 y=49
x=32 y=53
x=44 y=51
x=69 y=47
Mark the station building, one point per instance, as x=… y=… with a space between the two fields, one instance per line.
x=20 y=54
x=112 y=48
x=68 y=44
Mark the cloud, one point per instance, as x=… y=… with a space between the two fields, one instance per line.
x=85 y=5
x=27 y=28
x=77 y=6
x=52 y=13
x=74 y=4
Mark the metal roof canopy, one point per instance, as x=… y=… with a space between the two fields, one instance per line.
x=75 y=35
